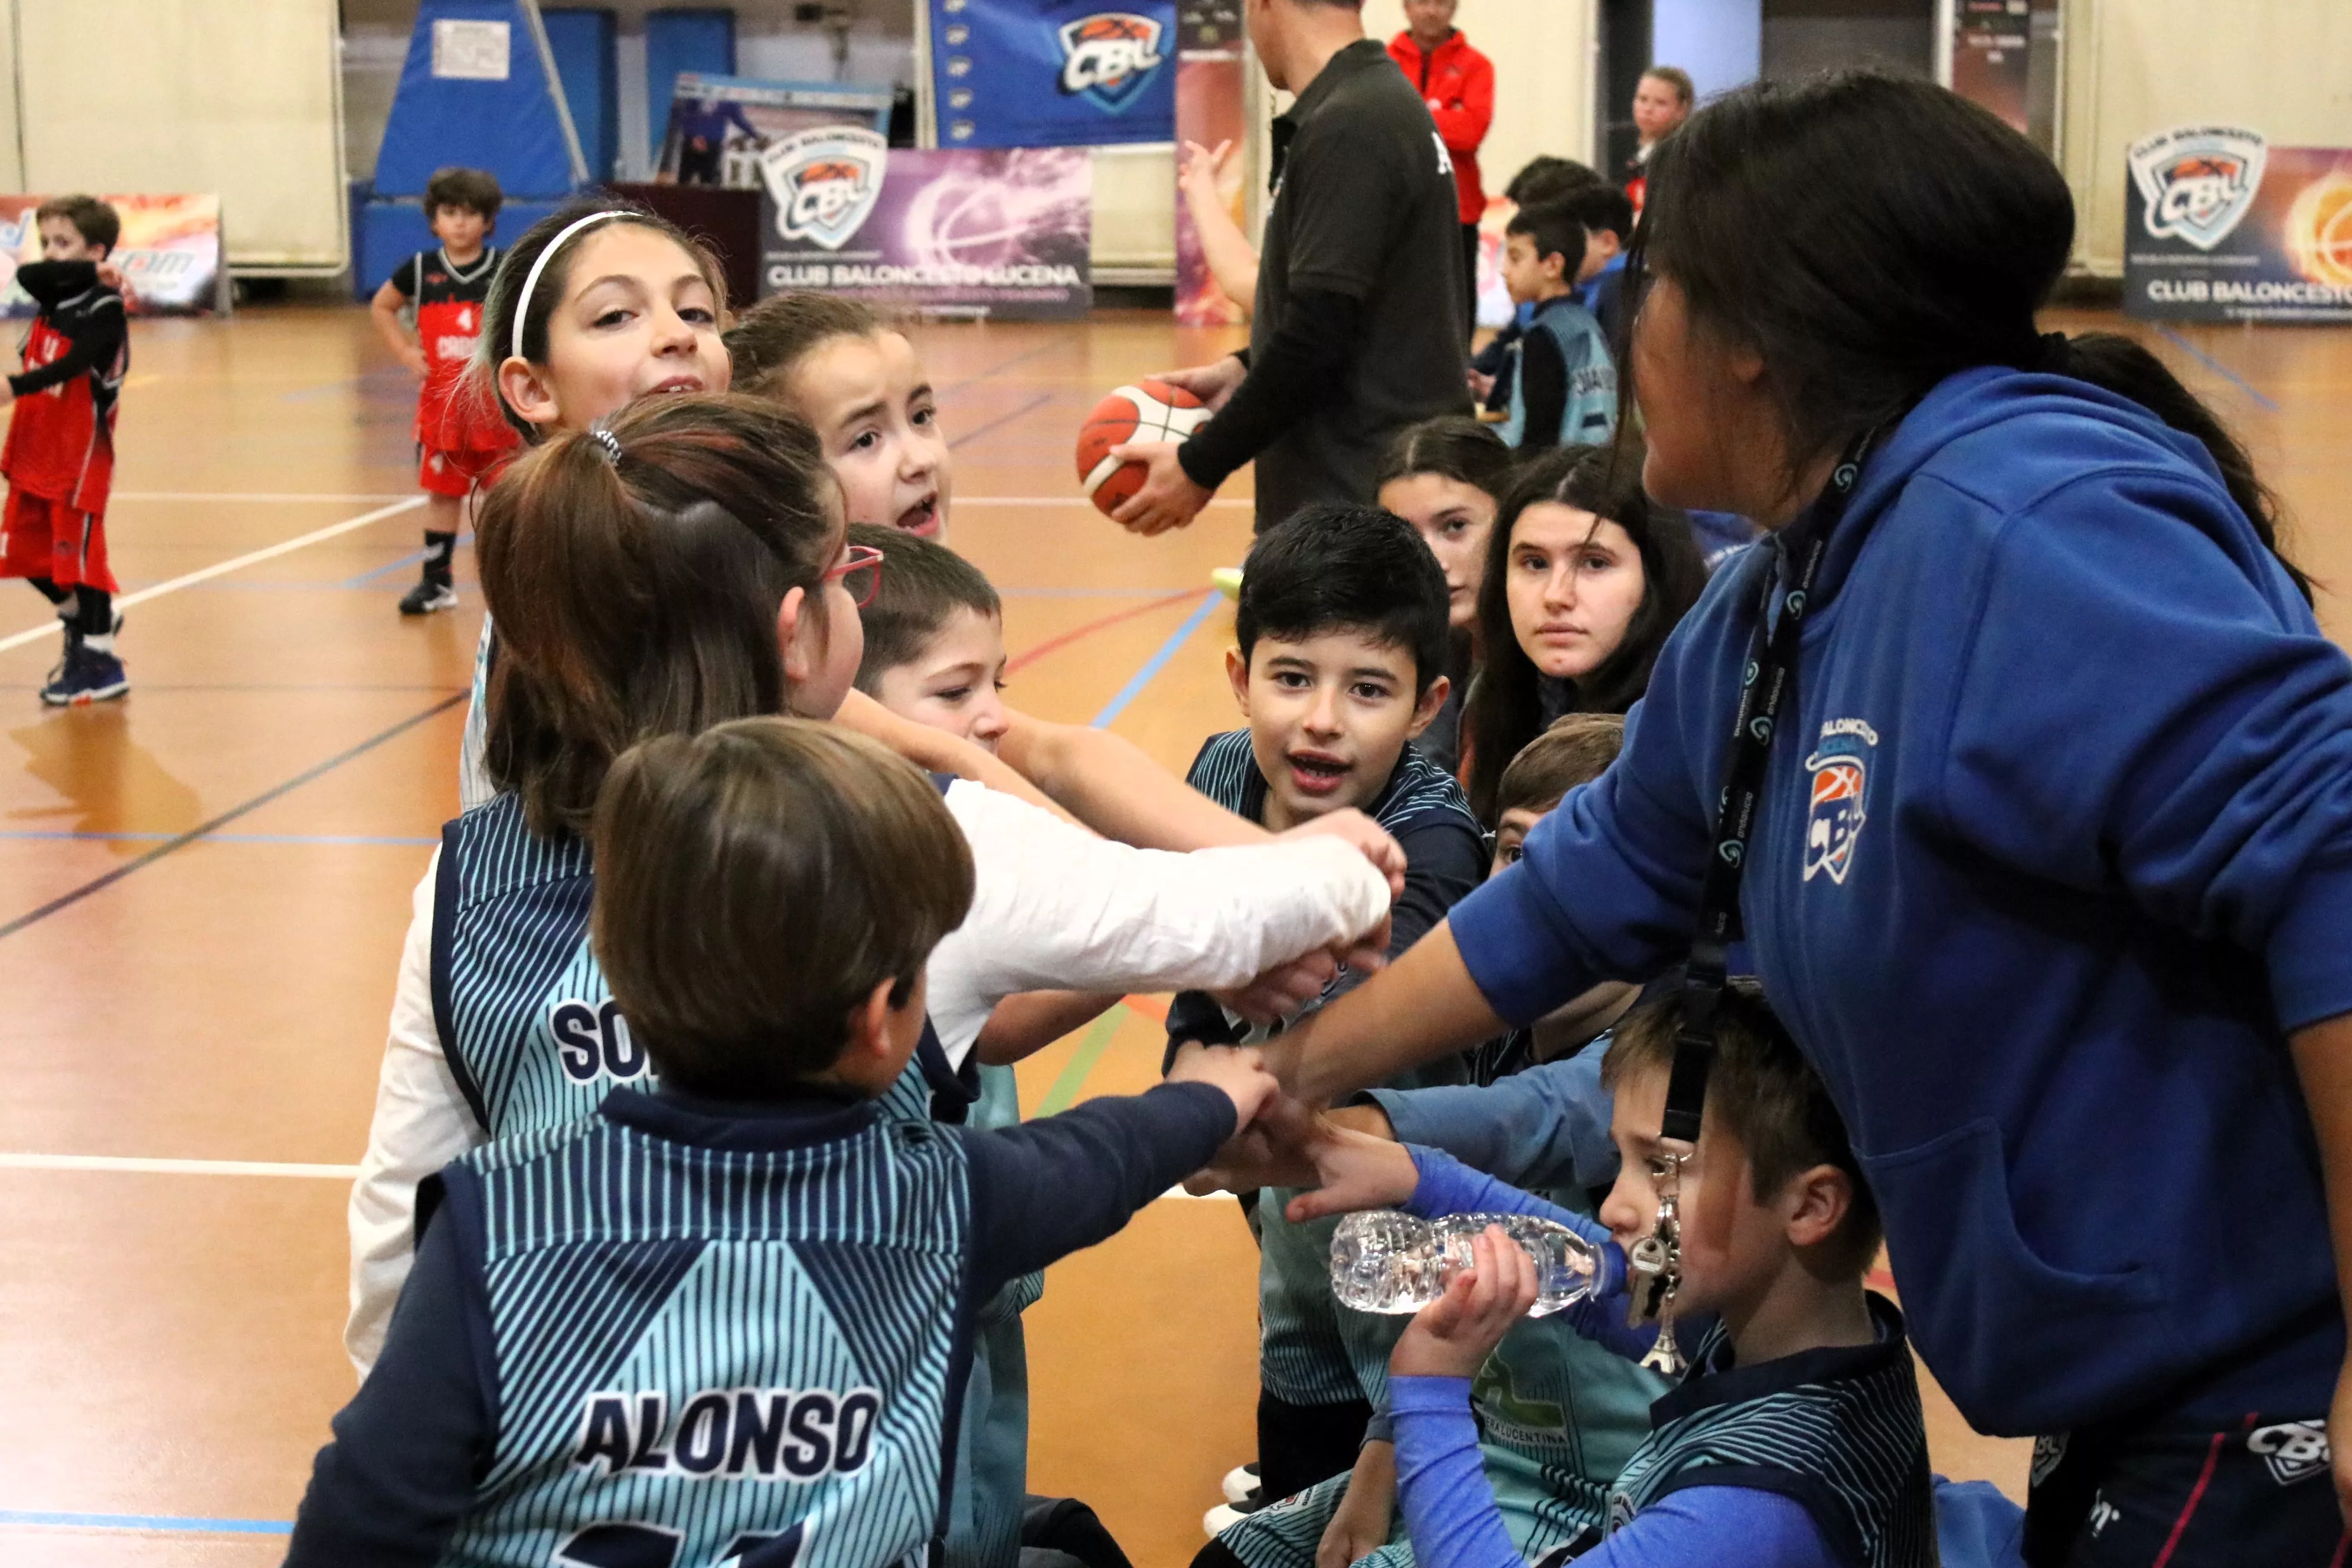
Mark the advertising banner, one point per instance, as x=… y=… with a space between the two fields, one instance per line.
x=1212 y=108
x=1053 y=73
x=2218 y=225
x=169 y=253
x=954 y=232
x=721 y=125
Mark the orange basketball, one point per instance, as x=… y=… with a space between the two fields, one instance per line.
x=1148 y=411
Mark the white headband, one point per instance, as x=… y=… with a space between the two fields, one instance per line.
x=530 y=279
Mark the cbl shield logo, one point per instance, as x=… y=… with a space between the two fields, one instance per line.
x=1833 y=813
x=824 y=181
x=2197 y=182
x=1109 y=56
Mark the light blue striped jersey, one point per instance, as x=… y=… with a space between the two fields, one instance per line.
x=1837 y=1430
x=700 y=1350
x=1588 y=414
x=530 y=1029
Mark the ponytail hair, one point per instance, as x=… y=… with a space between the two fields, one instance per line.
x=636 y=572
x=1867 y=234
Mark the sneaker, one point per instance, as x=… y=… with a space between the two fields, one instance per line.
x=429 y=596
x=1227 y=580
x=87 y=675
x=1221 y=1518
x=1241 y=1487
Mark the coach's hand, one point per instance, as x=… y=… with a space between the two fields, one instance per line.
x=1169 y=497
x=1213 y=383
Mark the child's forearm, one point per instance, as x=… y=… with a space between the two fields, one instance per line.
x=1024 y=1025
x=1112 y=786
x=936 y=750
x=1449 y=1505
x=387 y=324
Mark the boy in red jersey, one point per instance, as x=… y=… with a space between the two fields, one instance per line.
x=461 y=439
x=59 y=457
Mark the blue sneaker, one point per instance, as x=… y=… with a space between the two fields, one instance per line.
x=87 y=675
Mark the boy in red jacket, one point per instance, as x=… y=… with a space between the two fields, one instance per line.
x=1457 y=82
x=59 y=457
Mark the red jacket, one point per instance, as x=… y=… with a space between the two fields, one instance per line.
x=1457 y=82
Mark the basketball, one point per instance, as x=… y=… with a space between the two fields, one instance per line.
x=1148 y=411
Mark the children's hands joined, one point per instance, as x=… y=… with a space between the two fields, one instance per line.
x=1238 y=1071
x=1453 y=1335
x=1369 y=839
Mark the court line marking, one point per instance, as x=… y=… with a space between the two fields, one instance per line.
x=222 y=568
x=1030 y=655
x=33 y=1518
x=290 y=496
x=137 y=1165
x=1031 y=406
x=2242 y=384
x=7 y=835
x=1073 y=1076
x=317 y=770
x=1151 y=666
x=1048 y=346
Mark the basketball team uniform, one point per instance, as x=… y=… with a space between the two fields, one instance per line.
x=692 y=1331
x=461 y=437
x=1563 y=381
x=1321 y=1365
x=1818 y=1456
x=1559 y=1417
x=59 y=456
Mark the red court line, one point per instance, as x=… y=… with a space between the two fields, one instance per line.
x=1027 y=657
x=1152 y=1007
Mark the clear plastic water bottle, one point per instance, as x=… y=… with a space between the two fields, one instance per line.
x=1384 y=1261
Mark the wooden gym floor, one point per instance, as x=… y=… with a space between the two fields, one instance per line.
x=205 y=887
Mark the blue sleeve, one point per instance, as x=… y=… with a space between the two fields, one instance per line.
x=1608 y=886
x=1442 y=1487
x=1701 y=1527
x=1047 y=1188
x=1977 y=1527
x=2199 y=752
x=412 y=1442
x=1546 y=1127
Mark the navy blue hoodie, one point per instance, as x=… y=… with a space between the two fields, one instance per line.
x=2054 y=851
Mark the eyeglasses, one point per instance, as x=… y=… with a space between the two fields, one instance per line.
x=860 y=574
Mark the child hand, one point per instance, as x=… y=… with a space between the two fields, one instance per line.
x=1353 y=1171
x=1238 y=1071
x=1282 y=990
x=1368 y=838
x=413 y=356
x=1453 y=1335
x=1367 y=1510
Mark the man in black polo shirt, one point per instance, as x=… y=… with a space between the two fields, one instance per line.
x=1357 y=330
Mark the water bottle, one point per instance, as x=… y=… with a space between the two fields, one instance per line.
x=1385 y=1261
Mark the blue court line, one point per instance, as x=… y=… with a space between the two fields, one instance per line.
x=1151 y=666
x=2218 y=368
x=320 y=770
x=1031 y=406
x=413 y=558
x=62 y=833
x=993 y=370
x=35 y=1518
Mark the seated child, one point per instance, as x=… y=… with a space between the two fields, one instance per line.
x=747 y=1275
x=1342 y=638
x=1564 y=388
x=1558 y=1415
x=1796 y=1438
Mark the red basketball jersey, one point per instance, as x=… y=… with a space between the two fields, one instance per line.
x=61 y=439
x=451 y=416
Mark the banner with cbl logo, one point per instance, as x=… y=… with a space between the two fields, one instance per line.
x=1022 y=73
x=2219 y=226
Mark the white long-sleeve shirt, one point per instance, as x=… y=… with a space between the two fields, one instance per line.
x=1054 y=907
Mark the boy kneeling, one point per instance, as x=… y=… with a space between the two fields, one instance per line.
x=750 y=1276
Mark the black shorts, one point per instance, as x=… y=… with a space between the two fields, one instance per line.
x=2150 y=1496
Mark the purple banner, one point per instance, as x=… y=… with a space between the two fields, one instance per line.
x=2221 y=226
x=953 y=232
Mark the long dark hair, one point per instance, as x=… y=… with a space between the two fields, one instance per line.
x=635 y=573
x=1868 y=235
x=1452 y=446
x=1506 y=707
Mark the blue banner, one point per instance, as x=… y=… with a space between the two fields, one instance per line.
x=1059 y=73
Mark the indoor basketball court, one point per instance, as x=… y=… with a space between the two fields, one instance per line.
x=207 y=881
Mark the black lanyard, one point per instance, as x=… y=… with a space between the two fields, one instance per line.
x=1766 y=681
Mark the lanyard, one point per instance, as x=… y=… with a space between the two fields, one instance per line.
x=1767 y=677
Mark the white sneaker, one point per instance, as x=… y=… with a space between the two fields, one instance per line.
x=1240 y=1482
x=1221 y=1519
